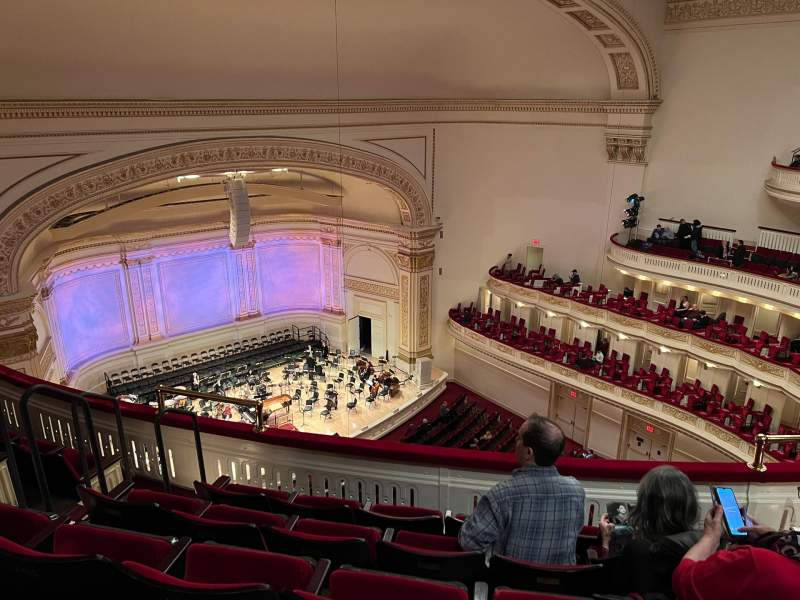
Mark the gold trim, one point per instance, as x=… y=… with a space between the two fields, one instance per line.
x=375 y=289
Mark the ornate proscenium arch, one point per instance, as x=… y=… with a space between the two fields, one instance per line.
x=46 y=205
x=628 y=56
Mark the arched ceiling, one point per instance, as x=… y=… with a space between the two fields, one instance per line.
x=200 y=199
x=241 y=49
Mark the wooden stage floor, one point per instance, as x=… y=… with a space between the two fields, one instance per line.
x=362 y=421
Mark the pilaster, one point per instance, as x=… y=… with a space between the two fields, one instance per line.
x=18 y=335
x=415 y=257
x=332 y=270
x=245 y=266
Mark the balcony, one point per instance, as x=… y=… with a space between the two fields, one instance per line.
x=777 y=374
x=783 y=183
x=777 y=293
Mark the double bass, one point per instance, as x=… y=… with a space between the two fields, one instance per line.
x=388 y=379
x=364 y=368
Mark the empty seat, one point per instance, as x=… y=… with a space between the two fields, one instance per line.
x=348 y=583
x=234 y=514
x=458 y=565
x=422 y=524
x=185 y=504
x=428 y=541
x=26 y=527
x=340 y=547
x=559 y=579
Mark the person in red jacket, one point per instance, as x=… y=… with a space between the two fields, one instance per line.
x=744 y=572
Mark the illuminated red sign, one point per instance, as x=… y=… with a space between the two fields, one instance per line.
x=573 y=394
x=650 y=428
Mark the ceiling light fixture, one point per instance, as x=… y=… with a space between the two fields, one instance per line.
x=182 y=177
x=280 y=170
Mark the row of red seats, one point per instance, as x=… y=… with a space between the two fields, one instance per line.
x=764 y=345
x=708 y=404
x=142 y=562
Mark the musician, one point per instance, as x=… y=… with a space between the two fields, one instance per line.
x=195 y=381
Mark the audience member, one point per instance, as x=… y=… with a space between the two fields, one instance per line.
x=684 y=235
x=790 y=273
x=702 y=321
x=444 y=410
x=682 y=307
x=662 y=524
x=742 y=572
x=739 y=254
x=574 y=278
x=658 y=234
x=508 y=265
x=537 y=514
x=697 y=238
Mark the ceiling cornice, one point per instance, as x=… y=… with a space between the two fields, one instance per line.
x=689 y=14
x=101 y=109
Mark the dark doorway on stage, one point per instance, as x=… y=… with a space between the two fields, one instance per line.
x=365 y=335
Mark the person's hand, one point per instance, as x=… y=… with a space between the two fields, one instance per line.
x=712 y=525
x=606 y=529
x=755 y=530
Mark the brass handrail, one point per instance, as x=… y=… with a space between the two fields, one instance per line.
x=762 y=439
x=257 y=404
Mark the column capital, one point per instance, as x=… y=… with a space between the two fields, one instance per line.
x=19 y=337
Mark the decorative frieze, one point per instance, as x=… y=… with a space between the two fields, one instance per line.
x=369 y=287
x=626 y=149
x=692 y=11
x=563 y=371
x=18 y=338
x=712 y=348
x=762 y=365
x=668 y=333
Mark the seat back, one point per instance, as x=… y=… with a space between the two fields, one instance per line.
x=259 y=501
x=348 y=583
x=426 y=524
x=338 y=549
x=22 y=525
x=147 y=518
x=559 y=579
x=466 y=567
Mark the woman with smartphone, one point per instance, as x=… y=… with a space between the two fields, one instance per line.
x=661 y=527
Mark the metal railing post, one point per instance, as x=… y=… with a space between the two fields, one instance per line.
x=123 y=444
x=16 y=481
x=762 y=439
x=162 y=453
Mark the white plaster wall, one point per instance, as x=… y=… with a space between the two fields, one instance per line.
x=730 y=105
x=520 y=395
x=497 y=188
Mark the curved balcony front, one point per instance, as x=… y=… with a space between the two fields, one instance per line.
x=772 y=291
x=783 y=182
x=663 y=413
x=777 y=374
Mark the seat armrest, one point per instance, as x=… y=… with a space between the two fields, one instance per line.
x=121 y=490
x=221 y=481
x=388 y=535
x=178 y=549
x=292 y=522
x=41 y=537
x=481 y=591
x=319 y=576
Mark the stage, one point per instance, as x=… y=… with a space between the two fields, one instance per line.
x=364 y=420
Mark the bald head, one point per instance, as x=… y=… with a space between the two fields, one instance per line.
x=544 y=438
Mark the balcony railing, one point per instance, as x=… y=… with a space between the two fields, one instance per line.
x=778 y=374
x=783 y=182
x=443 y=478
x=773 y=291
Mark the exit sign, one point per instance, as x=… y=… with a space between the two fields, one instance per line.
x=536 y=243
x=649 y=428
x=573 y=394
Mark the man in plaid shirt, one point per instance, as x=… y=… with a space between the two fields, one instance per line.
x=537 y=514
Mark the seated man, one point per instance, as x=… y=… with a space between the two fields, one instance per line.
x=537 y=514
x=657 y=234
x=574 y=278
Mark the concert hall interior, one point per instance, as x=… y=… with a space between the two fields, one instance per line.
x=343 y=250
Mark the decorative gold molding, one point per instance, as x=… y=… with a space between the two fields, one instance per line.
x=376 y=289
x=679 y=414
x=637 y=398
x=415 y=262
x=503 y=348
x=19 y=345
x=725 y=436
x=626 y=321
x=405 y=300
x=36 y=211
x=423 y=311
x=692 y=11
x=127 y=109
x=713 y=348
x=601 y=385
x=762 y=366
x=626 y=149
x=568 y=373
x=668 y=333
x=534 y=360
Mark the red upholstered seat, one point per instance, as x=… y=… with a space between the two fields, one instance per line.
x=211 y=563
x=346 y=584
x=116 y=544
x=251 y=489
x=399 y=510
x=560 y=579
x=426 y=541
x=178 y=584
x=509 y=594
x=372 y=535
x=325 y=501
x=21 y=525
x=193 y=506
x=234 y=514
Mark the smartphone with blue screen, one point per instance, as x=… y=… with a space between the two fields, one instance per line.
x=731 y=515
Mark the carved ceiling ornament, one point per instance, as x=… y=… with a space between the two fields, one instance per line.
x=614 y=31
x=687 y=11
x=35 y=212
x=626 y=149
